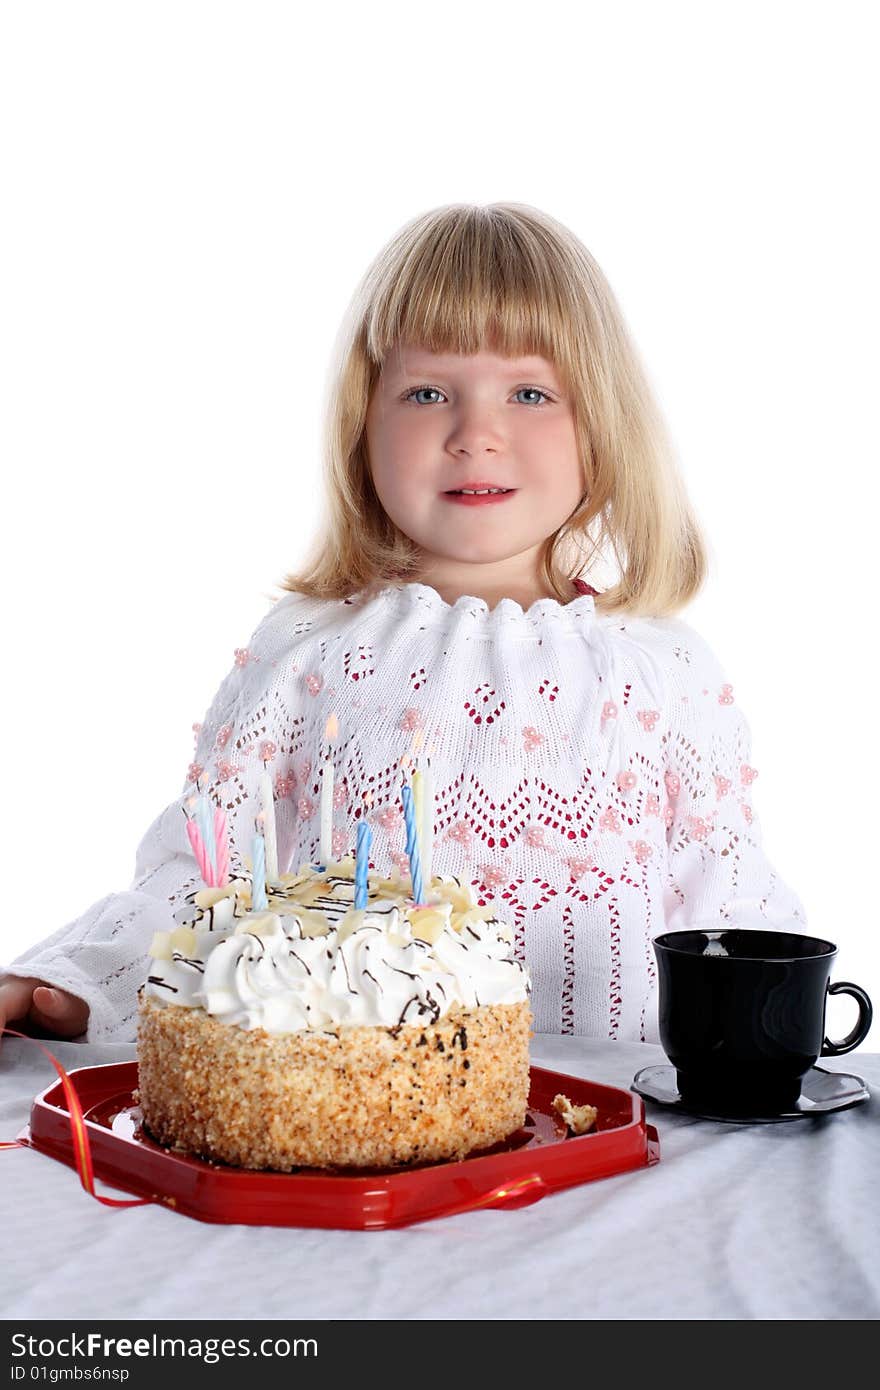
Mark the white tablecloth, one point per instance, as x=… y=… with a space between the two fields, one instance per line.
x=763 y=1221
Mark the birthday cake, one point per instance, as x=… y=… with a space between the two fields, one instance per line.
x=316 y=1033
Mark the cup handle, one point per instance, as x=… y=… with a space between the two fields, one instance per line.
x=860 y=1032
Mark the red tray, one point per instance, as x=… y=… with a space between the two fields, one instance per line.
x=541 y=1157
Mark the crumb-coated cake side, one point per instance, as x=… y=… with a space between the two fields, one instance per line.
x=360 y=1097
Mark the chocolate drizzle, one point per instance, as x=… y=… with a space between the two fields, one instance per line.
x=436 y=972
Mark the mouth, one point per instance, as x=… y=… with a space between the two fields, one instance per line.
x=475 y=497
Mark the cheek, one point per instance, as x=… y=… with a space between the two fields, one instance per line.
x=556 y=444
x=397 y=483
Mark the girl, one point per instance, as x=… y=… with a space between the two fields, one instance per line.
x=490 y=441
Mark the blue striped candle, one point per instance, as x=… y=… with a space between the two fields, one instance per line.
x=362 y=864
x=412 y=842
x=205 y=822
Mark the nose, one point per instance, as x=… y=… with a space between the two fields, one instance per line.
x=475 y=432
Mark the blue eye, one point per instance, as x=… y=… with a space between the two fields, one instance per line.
x=534 y=390
x=416 y=389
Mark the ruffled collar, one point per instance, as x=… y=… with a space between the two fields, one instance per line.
x=507 y=613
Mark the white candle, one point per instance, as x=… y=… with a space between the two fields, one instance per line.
x=268 y=804
x=330 y=731
x=327 y=810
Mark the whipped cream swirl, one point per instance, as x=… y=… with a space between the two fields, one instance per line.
x=314 y=961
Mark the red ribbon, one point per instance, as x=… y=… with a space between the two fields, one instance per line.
x=81 y=1150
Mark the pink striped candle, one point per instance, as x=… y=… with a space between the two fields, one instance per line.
x=221 y=839
x=200 y=853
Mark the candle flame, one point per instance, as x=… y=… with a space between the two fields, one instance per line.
x=368 y=800
x=331 y=728
x=418 y=740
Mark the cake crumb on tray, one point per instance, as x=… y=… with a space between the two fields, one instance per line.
x=579 y=1118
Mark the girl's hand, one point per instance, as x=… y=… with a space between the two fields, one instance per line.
x=27 y=1003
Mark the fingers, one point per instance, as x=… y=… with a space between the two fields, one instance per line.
x=15 y=998
x=59 y=1012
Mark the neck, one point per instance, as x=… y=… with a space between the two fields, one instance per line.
x=516 y=578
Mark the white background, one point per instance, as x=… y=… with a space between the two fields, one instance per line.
x=191 y=193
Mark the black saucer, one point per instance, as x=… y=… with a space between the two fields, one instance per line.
x=821 y=1091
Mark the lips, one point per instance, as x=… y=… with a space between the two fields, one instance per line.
x=470 y=499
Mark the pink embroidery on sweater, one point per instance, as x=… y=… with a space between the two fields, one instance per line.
x=648 y=718
x=626 y=781
x=284 y=785
x=267 y=749
x=411 y=719
x=579 y=867
x=222 y=736
x=747 y=774
x=673 y=783
x=492 y=876
x=314 y=683
x=699 y=827
x=726 y=695
x=532 y=738
x=461 y=832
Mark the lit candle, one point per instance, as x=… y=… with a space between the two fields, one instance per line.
x=330 y=731
x=259 y=901
x=362 y=863
x=267 y=801
x=412 y=843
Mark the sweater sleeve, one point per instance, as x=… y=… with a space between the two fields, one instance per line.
x=102 y=956
x=718 y=872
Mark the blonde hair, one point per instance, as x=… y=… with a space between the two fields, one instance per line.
x=509 y=278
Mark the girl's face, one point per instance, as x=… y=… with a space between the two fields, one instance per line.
x=438 y=422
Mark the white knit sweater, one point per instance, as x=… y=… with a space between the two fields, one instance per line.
x=591 y=780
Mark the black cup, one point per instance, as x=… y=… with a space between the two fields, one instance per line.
x=742 y=1015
